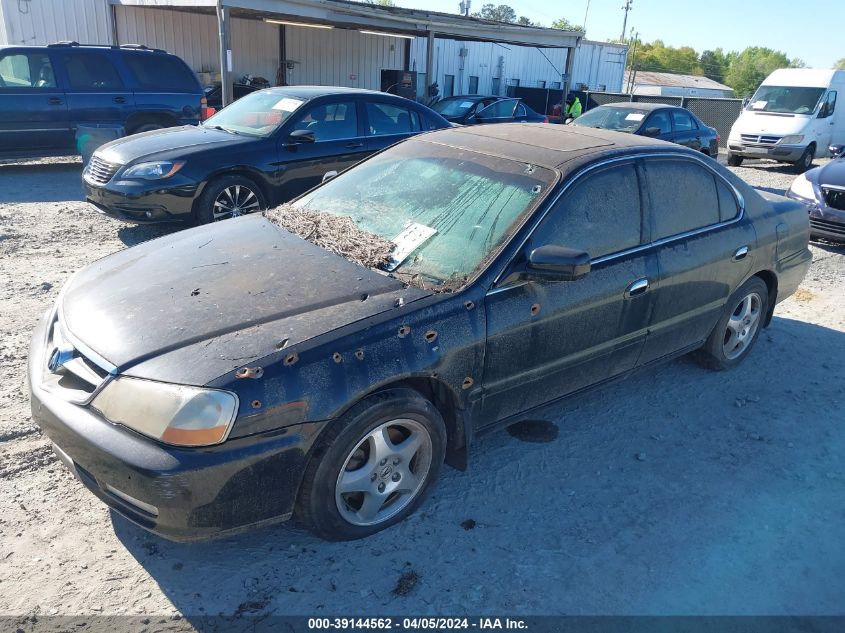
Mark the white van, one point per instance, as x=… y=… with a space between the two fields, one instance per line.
x=792 y=118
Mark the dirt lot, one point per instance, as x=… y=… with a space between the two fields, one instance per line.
x=678 y=491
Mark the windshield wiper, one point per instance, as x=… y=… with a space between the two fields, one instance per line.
x=224 y=129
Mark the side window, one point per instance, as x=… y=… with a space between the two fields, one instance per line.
x=91 y=71
x=20 y=70
x=728 y=207
x=157 y=72
x=385 y=118
x=683 y=197
x=331 y=121
x=661 y=121
x=416 y=123
x=600 y=214
x=683 y=121
x=829 y=105
x=521 y=111
x=502 y=109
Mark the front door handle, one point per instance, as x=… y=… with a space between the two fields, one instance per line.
x=55 y=101
x=640 y=286
x=120 y=99
x=740 y=253
x=354 y=145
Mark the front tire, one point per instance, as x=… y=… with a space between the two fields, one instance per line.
x=734 y=160
x=228 y=197
x=806 y=161
x=738 y=328
x=374 y=466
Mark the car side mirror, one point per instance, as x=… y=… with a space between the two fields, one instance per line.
x=557 y=263
x=652 y=132
x=836 y=150
x=302 y=136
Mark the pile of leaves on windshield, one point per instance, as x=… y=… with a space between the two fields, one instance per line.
x=337 y=234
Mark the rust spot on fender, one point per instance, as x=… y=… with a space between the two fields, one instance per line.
x=535 y=309
x=468 y=382
x=291 y=358
x=256 y=404
x=336 y=357
x=359 y=354
x=250 y=372
x=404 y=331
x=430 y=336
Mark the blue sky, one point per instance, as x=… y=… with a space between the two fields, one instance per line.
x=809 y=29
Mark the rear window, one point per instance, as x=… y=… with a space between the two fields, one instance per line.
x=161 y=73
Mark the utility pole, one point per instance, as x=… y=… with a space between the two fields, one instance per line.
x=586 y=13
x=625 y=8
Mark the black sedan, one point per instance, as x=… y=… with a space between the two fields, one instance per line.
x=234 y=374
x=657 y=120
x=823 y=190
x=264 y=149
x=474 y=109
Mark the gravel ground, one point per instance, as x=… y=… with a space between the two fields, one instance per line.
x=677 y=491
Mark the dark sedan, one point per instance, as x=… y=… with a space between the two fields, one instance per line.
x=474 y=109
x=656 y=120
x=234 y=375
x=264 y=149
x=823 y=190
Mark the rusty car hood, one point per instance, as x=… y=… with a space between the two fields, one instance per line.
x=194 y=305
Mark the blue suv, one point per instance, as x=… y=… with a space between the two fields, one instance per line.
x=47 y=92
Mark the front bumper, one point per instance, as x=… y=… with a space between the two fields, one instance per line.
x=783 y=153
x=825 y=222
x=144 y=202
x=180 y=494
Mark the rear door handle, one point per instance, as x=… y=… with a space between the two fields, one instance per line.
x=740 y=253
x=354 y=145
x=640 y=286
x=55 y=101
x=120 y=99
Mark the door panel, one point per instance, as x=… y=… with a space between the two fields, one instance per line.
x=96 y=93
x=33 y=109
x=686 y=130
x=547 y=339
x=585 y=331
x=339 y=143
x=697 y=272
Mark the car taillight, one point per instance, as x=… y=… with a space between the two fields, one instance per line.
x=545 y=119
x=718 y=137
x=205 y=110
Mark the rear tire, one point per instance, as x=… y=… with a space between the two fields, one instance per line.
x=734 y=160
x=355 y=485
x=227 y=197
x=738 y=328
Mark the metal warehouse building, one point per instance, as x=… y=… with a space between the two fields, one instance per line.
x=325 y=42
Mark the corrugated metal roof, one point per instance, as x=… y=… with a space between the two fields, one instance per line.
x=646 y=78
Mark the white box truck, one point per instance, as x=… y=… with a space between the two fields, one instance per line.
x=792 y=118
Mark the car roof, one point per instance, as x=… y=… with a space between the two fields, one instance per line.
x=312 y=92
x=638 y=105
x=546 y=145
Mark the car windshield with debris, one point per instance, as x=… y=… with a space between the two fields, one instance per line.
x=256 y=114
x=607 y=118
x=444 y=211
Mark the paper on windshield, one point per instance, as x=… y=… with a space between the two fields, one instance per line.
x=635 y=116
x=759 y=105
x=466 y=104
x=287 y=104
x=409 y=240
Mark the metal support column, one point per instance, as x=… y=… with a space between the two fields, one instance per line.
x=115 y=39
x=429 y=63
x=224 y=32
x=567 y=73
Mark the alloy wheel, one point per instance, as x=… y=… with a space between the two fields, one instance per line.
x=742 y=326
x=234 y=201
x=384 y=473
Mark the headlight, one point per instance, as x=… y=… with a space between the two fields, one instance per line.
x=153 y=171
x=803 y=188
x=174 y=414
x=794 y=139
